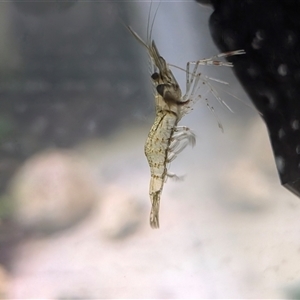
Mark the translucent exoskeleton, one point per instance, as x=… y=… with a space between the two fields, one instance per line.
x=166 y=139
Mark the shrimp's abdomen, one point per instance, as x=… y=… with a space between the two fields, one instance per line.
x=156 y=151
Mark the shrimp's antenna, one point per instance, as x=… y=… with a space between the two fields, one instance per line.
x=154 y=17
x=148 y=25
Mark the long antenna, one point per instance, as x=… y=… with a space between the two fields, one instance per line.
x=154 y=17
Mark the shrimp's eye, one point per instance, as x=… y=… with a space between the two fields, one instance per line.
x=155 y=76
x=160 y=89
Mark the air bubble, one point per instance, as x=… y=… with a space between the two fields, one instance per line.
x=257 y=41
x=271 y=97
x=282 y=69
x=281 y=133
x=290 y=39
x=295 y=124
x=280 y=163
x=253 y=71
x=260 y=35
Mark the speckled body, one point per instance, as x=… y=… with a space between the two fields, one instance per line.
x=170 y=107
x=156 y=151
x=166 y=139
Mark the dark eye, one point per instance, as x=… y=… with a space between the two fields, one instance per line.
x=160 y=89
x=155 y=76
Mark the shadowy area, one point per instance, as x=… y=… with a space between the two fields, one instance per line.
x=270 y=71
x=63 y=79
x=70 y=81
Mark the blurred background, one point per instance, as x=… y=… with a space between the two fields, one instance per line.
x=75 y=110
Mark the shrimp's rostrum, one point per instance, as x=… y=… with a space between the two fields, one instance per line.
x=166 y=139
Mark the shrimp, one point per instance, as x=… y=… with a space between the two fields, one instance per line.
x=166 y=139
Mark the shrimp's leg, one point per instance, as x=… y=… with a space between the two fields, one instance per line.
x=174 y=176
x=193 y=81
x=182 y=137
x=212 y=60
x=183 y=133
x=171 y=156
x=191 y=76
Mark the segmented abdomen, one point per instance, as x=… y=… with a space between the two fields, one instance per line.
x=156 y=151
